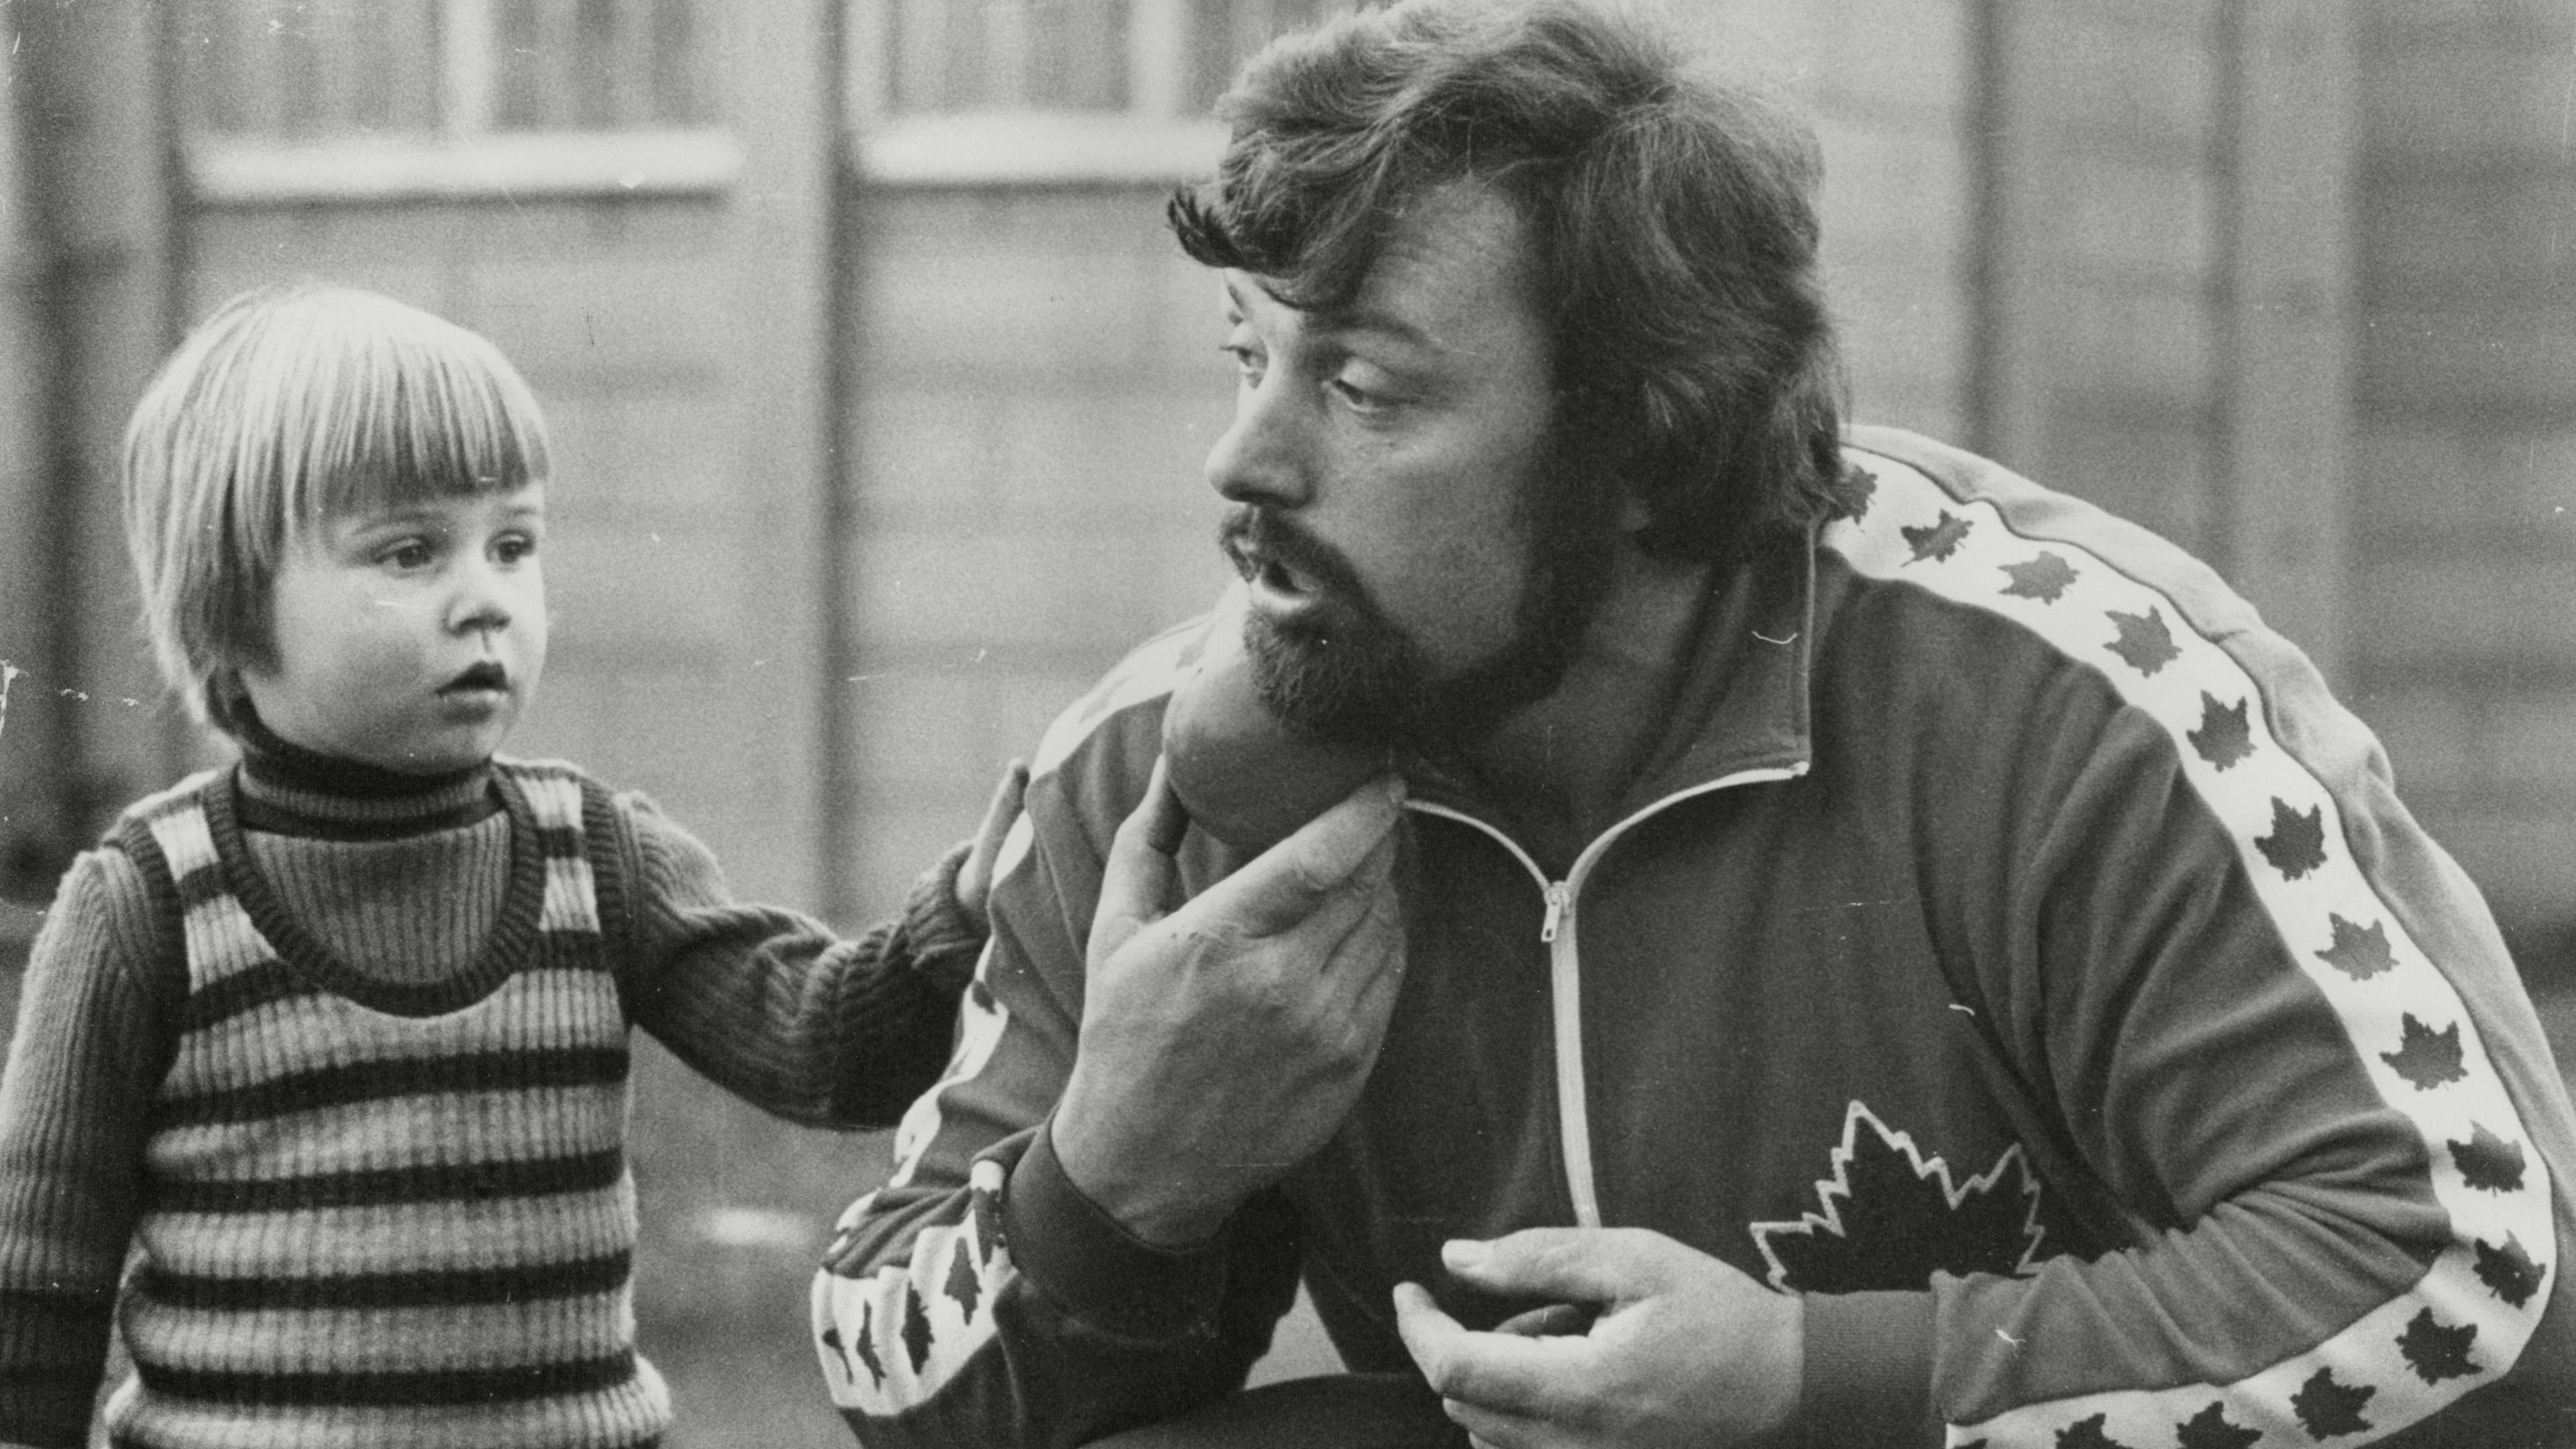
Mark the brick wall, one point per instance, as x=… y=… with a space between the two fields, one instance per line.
x=2104 y=344
x=1889 y=86
x=2465 y=549
x=1037 y=384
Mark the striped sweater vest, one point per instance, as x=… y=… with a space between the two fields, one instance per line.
x=379 y=1213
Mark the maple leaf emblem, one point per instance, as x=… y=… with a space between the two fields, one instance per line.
x=1892 y=1218
x=2145 y=643
x=2088 y=1434
x=1863 y=486
x=2224 y=737
x=2436 y=1350
x=1939 y=541
x=2359 y=952
x=2489 y=1162
x=2425 y=1057
x=962 y=1285
x=864 y=1346
x=2327 y=1408
x=2297 y=843
x=2508 y=1271
x=2209 y=1429
x=2043 y=578
x=916 y=1328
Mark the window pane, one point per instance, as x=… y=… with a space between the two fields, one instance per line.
x=677 y=92
x=1224 y=33
x=976 y=55
x=308 y=69
x=523 y=92
x=1078 y=55
x=302 y=70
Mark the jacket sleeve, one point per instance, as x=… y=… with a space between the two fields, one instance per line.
x=74 y=1106
x=774 y=1006
x=2276 y=1028
x=979 y=1299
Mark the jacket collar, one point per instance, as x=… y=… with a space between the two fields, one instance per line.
x=1741 y=705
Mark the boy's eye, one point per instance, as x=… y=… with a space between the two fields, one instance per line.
x=514 y=547
x=411 y=553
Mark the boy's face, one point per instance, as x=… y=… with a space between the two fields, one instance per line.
x=408 y=637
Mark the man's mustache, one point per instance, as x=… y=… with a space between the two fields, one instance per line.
x=1253 y=536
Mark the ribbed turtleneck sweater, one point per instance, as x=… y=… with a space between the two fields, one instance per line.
x=345 y=846
x=403 y=879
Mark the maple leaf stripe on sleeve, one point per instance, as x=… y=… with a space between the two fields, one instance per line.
x=895 y=1337
x=904 y=1307
x=2411 y=1031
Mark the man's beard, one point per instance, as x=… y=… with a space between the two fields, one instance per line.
x=1346 y=672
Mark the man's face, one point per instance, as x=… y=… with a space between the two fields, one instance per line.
x=1421 y=559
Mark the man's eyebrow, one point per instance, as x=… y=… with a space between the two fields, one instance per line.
x=1348 y=318
x=1383 y=323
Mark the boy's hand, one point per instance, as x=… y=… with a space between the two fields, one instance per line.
x=975 y=877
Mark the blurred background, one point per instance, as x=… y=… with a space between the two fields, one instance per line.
x=881 y=394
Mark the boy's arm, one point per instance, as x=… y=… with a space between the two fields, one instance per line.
x=774 y=1006
x=74 y=1106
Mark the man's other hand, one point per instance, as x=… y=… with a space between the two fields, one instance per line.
x=1679 y=1349
x=1225 y=1040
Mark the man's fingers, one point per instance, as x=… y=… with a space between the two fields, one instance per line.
x=1136 y=882
x=1283 y=885
x=1489 y=1430
x=1575 y=1265
x=1498 y=1373
x=1563 y=1319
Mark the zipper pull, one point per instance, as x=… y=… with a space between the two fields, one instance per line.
x=1559 y=901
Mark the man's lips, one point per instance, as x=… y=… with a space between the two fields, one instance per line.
x=1270 y=574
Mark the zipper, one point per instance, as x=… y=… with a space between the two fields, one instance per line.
x=1560 y=900
x=1564 y=969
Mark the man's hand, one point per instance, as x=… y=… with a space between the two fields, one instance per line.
x=1224 y=1042
x=1681 y=1349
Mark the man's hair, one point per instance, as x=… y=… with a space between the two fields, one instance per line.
x=1671 y=221
x=287 y=406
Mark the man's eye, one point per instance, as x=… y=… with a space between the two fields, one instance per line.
x=1358 y=398
x=1247 y=361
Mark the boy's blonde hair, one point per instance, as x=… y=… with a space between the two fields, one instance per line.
x=288 y=405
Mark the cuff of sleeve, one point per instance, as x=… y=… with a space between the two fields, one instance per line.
x=1078 y=1255
x=1868 y=1376
x=942 y=941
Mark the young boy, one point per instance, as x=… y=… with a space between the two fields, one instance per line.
x=337 y=1037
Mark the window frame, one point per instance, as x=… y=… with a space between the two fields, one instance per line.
x=1150 y=142
x=468 y=159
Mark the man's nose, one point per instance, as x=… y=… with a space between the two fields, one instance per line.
x=1264 y=456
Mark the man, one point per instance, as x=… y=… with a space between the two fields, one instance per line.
x=1891 y=955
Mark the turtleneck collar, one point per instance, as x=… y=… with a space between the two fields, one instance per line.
x=290 y=790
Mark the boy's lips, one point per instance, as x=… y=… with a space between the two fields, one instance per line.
x=482 y=676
